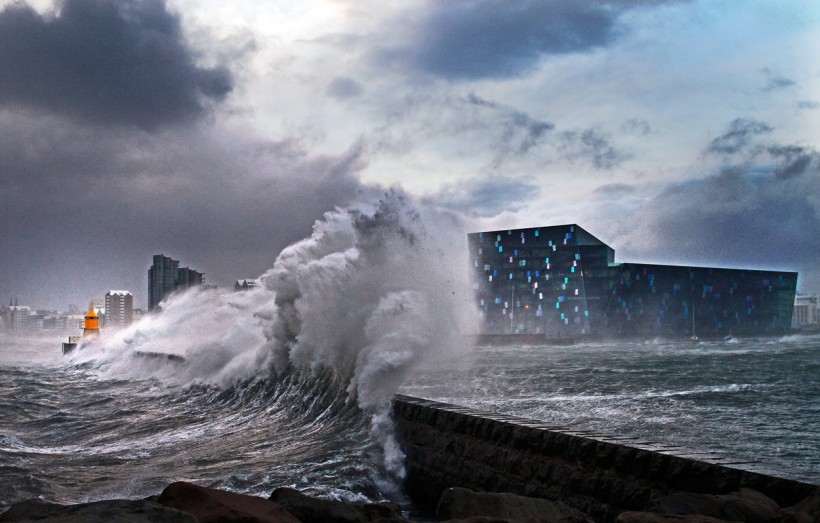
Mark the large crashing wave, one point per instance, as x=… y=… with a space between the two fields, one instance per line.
x=374 y=291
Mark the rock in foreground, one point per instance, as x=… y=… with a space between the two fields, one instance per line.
x=210 y=505
x=110 y=511
x=314 y=510
x=462 y=503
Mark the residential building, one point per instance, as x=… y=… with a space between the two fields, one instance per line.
x=806 y=310
x=244 y=285
x=119 y=308
x=18 y=317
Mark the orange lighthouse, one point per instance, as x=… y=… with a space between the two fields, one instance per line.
x=91 y=327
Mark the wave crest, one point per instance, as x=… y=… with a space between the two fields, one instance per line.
x=373 y=292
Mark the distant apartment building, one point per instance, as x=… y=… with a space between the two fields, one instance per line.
x=246 y=284
x=19 y=317
x=119 y=308
x=806 y=310
x=54 y=322
x=165 y=277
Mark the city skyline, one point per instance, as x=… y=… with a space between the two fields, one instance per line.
x=682 y=132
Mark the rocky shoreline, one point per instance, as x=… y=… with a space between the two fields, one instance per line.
x=183 y=502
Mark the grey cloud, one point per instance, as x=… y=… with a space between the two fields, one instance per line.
x=501 y=130
x=86 y=208
x=519 y=131
x=486 y=197
x=104 y=61
x=504 y=133
x=475 y=39
x=636 y=126
x=754 y=213
x=615 y=190
x=343 y=87
x=794 y=161
x=807 y=104
x=738 y=136
x=777 y=83
x=738 y=215
x=592 y=145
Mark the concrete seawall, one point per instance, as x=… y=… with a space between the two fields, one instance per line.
x=448 y=446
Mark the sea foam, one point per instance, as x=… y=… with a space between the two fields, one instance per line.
x=376 y=290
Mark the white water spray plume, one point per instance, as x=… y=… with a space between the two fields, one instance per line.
x=375 y=291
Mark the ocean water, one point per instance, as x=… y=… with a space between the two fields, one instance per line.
x=290 y=384
x=72 y=431
x=68 y=434
x=753 y=401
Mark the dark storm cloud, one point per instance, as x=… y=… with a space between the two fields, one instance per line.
x=105 y=61
x=474 y=39
x=760 y=211
x=743 y=217
x=741 y=131
x=487 y=197
x=794 y=161
x=86 y=209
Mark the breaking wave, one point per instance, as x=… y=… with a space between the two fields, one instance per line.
x=347 y=313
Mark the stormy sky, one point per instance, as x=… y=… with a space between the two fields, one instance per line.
x=683 y=132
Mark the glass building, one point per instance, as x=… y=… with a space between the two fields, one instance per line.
x=563 y=282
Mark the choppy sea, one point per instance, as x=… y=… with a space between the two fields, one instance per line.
x=289 y=384
x=70 y=432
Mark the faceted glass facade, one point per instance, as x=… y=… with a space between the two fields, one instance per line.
x=562 y=282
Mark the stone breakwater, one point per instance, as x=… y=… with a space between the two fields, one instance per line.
x=451 y=446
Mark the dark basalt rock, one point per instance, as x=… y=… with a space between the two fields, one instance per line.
x=314 y=510
x=462 y=503
x=113 y=511
x=806 y=511
x=649 y=517
x=210 y=505
x=745 y=505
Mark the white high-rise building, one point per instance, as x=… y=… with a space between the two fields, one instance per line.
x=19 y=316
x=806 y=310
x=119 y=308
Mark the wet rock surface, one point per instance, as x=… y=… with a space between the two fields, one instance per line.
x=462 y=504
x=744 y=505
x=188 y=503
x=314 y=510
x=114 y=511
x=210 y=505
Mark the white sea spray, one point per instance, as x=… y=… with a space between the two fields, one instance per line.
x=375 y=291
x=369 y=296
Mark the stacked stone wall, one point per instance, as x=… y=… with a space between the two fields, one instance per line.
x=451 y=446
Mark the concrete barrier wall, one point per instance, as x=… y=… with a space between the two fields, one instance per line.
x=447 y=445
